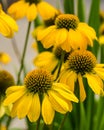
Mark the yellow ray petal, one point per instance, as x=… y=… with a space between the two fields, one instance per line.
x=13 y=89
x=64 y=92
x=23 y=107
x=47 y=112
x=81 y=88
x=61 y=36
x=49 y=10
x=11 y=98
x=58 y=103
x=95 y=83
x=34 y=111
x=31 y=12
x=76 y=40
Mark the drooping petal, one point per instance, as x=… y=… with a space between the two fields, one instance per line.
x=34 y=111
x=100 y=72
x=61 y=36
x=11 y=98
x=76 y=40
x=23 y=107
x=18 y=9
x=31 y=12
x=64 y=92
x=43 y=33
x=47 y=110
x=87 y=32
x=81 y=88
x=95 y=83
x=13 y=89
x=58 y=103
x=49 y=10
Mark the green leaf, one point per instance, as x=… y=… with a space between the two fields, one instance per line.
x=94 y=21
x=81 y=10
x=69 y=6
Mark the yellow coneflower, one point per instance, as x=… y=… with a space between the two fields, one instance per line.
x=7 y=25
x=6 y=80
x=68 y=32
x=39 y=91
x=83 y=64
x=4 y=58
x=30 y=8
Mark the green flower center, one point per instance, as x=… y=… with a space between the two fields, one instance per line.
x=81 y=61
x=6 y=80
x=33 y=1
x=39 y=80
x=67 y=21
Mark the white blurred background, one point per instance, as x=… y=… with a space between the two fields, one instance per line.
x=6 y=45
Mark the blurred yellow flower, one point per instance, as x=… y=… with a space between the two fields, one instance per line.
x=3 y=127
x=39 y=91
x=50 y=60
x=30 y=8
x=82 y=64
x=67 y=32
x=101 y=34
x=7 y=25
x=4 y=58
x=6 y=80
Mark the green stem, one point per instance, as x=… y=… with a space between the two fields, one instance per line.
x=100 y=112
x=15 y=48
x=63 y=121
x=90 y=110
x=82 y=117
x=60 y=63
x=69 y=6
x=38 y=124
x=24 y=52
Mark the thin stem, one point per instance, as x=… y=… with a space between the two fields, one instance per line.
x=24 y=52
x=63 y=121
x=60 y=64
x=15 y=48
x=38 y=124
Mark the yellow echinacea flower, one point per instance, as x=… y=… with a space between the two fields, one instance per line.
x=4 y=58
x=68 y=32
x=42 y=95
x=7 y=24
x=30 y=8
x=82 y=64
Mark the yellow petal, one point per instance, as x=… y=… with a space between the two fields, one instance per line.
x=44 y=32
x=15 y=9
x=31 y=12
x=58 y=103
x=76 y=40
x=34 y=111
x=47 y=112
x=23 y=107
x=61 y=36
x=11 y=98
x=87 y=32
x=47 y=60
x=64 y=92
x=100 y=72
x=81 y=88
x=95 y=83
x=49 y=10
x=13 y=89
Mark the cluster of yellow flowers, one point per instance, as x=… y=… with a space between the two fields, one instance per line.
x=60 y=70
